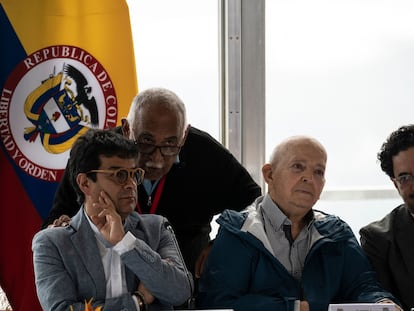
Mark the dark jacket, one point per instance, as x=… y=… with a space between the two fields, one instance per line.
x=389 y=244
x=241 y=273
x=207 y=180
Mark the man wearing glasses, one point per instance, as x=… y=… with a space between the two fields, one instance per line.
x=389 y=242
x=109 y=254
x=189 y=176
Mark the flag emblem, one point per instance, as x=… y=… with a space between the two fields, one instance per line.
x=53 y=96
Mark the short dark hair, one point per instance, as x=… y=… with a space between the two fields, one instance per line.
x=87 y=149
x=399 y=140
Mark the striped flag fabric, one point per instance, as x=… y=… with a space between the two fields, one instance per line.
x=65 y=66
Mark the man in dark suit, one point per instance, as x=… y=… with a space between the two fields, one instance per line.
x=190 y=177
x=389 y=242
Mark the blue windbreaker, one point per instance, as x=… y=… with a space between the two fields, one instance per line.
x=241 y=273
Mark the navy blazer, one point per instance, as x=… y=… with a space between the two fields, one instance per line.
x=389 y=244
x=68 y=267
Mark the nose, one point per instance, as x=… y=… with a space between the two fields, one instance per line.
x=131 y=183
x=307 y=178
x=157 y=155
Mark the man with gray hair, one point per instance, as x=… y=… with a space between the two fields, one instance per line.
x=190 y=177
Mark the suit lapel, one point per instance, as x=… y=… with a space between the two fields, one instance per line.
x=404 y=237
x=131 y=224
x=84 y=242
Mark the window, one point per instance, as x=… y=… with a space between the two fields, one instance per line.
x=176 y=47
x=342 y=71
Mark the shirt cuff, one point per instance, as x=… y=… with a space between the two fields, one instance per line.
x=297 y=305
x=136 y=302
x=126 y=244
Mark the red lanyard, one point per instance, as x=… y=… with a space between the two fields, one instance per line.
x=157 y=197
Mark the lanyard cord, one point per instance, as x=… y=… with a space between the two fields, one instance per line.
x=157 y=197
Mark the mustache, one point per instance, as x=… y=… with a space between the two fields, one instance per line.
x=152 y=164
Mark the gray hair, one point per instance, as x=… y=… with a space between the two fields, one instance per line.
x=156 y=96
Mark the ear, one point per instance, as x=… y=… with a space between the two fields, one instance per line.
x=185 y=134
x=126 y=129
x=83 y=182
x=267 y=171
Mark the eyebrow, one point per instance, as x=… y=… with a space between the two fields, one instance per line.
x=404 y=173
x=153 y=137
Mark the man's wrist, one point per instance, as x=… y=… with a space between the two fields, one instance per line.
x=296 y=306
x=141 y=300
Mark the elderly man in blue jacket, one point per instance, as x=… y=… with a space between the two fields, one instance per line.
x=280 y=254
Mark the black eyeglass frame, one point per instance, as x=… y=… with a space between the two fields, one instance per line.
x=164 y=149
x=136 y=174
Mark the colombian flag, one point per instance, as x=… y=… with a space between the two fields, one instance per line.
x=65 y=66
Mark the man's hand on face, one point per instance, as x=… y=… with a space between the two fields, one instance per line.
x=107 y=220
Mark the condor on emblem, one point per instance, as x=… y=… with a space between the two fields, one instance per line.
x=51 y=97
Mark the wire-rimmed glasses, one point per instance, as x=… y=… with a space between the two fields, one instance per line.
x=404 y=180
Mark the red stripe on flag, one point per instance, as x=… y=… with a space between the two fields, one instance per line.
x=19 y=221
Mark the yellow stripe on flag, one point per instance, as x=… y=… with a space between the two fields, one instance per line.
x=102 y=27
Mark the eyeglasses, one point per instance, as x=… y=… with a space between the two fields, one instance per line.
x=165 y=150
x=404 y=180
x=122 y=175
